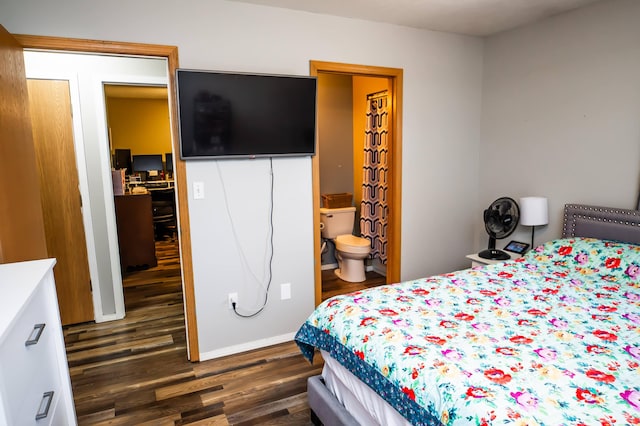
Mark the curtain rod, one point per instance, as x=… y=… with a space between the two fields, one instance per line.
x=373 y=95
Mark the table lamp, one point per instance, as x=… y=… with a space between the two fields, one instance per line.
x=533 y=212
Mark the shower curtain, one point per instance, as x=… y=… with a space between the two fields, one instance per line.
x=373 y=208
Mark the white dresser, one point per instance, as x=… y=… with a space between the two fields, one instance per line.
x=35 y=388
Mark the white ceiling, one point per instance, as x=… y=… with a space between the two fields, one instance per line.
x=470 y=17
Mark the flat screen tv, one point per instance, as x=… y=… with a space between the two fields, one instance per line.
x=232 y=115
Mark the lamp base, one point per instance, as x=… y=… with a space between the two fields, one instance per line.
x=494 y=254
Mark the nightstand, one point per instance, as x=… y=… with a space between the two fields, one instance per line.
x=481 y=261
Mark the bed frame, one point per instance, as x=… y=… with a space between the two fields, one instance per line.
x=579 y=221
x=601 y=222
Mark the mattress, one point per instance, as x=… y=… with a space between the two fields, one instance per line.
x=551 y=338
x=366 y=407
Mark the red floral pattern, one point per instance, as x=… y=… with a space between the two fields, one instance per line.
x=552 y=338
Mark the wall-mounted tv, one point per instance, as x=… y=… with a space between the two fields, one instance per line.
x=231 y=115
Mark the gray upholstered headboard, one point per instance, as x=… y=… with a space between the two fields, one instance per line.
x=601 y=222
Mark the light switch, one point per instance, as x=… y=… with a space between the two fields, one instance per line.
x=198 y=190
x=285 y=291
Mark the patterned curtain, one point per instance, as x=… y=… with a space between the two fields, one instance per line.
x=373 y=209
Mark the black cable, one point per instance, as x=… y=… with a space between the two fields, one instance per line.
x=270 y=275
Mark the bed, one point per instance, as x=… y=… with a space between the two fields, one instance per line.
x=550 y=338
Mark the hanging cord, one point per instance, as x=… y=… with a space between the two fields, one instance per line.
x=244 y=260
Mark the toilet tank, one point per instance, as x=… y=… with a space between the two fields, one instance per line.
x=337 y=221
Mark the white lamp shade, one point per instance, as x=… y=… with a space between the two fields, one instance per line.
x=534 y=211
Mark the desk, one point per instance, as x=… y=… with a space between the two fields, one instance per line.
x=134 y=216
x=152 y=184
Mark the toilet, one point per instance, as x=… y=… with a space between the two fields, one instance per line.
x=337 y=225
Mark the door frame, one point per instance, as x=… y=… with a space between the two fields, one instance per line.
x=170 y=53
x=394 y=75
x=97 y=84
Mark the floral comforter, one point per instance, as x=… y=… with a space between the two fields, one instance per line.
x=549 y=339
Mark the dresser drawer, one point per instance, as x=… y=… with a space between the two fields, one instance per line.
x=59 y=414
x=41 y=408
x=30 y=370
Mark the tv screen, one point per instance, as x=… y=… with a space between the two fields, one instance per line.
x=145 y=163
x=228 y=115
x=168 y=162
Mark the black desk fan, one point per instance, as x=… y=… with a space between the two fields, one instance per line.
x=500 y=220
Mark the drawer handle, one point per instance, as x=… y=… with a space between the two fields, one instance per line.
x=47 y=397
x=37 y=330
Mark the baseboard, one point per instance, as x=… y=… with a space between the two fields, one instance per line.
x=244 y=347
x=106 y=318
x=367 y=268
x=379 y=270
x=376 y=268
x=329 y=266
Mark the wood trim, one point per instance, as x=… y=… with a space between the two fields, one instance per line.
x=395 y=178
x=317 y=241
x=97 y=46
x=395 y=214
x=354 y=69
x=171 y=53
x=22 y=232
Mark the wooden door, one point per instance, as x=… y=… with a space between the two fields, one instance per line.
x=51 y=118
x=21 y=224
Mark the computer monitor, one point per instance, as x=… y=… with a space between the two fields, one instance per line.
x=168 y=162
x=122 y=159
x=146 y=163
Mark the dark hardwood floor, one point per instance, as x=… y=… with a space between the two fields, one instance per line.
x=135 y=371
x=332 y=285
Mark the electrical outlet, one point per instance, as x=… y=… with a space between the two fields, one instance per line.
x=285 y=291
x=233 y=298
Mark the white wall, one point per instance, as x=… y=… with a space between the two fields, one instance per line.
x=441 y=128
x=232 y=249
x=335 y=133
x=561 y=112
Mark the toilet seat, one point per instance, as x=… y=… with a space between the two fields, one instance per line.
x=351 y=244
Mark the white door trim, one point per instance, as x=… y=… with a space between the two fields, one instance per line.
x=105 y=167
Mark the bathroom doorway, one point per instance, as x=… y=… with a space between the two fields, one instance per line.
x=344 y=156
